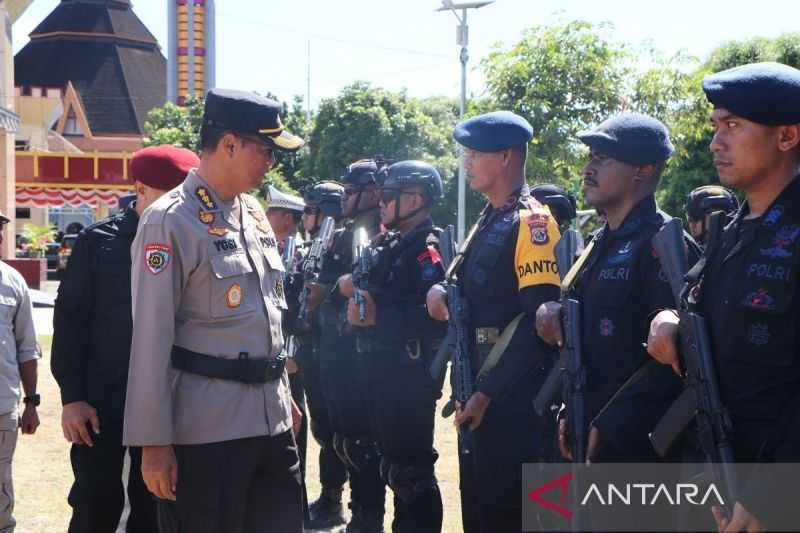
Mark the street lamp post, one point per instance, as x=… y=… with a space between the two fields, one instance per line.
x=462 y=40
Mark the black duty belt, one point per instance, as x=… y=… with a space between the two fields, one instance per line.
x=243 y=369
x=413 y=347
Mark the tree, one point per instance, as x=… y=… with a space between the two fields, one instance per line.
x=365 y=121
x=172 y=124
x=562 y=79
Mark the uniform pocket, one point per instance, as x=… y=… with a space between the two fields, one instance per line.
x=231 y=287
x=8 y=307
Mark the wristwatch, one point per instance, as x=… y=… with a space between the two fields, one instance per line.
x=35 y=399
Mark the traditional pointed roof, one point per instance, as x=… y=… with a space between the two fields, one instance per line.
x=111 y=58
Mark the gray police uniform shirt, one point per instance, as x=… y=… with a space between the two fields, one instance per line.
x=17 y=336
x=206 y=282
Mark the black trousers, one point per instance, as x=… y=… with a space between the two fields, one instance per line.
x=345 y=382
x=97 y=495
x=402 y=400
x=332 y=471
x=299 y=397
x=491 y=476
x=241 y=486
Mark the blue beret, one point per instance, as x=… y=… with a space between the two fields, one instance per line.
x=632 y=138
x=493 y=132
x=766 y=93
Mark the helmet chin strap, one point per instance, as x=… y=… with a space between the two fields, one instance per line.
x=398 y=218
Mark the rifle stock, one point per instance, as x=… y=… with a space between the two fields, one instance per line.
x=314 y=260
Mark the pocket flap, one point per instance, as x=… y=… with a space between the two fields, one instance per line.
x=230 y=265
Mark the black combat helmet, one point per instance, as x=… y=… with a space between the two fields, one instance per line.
x=363 y=172
x=407 y=174
x=709 y=198
x=325 y=195
x=561 y=202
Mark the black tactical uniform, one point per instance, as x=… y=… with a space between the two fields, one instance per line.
x=91 y=347
x=327 y=510
x=343 y=378
x=397 y=354
x=510 y=433
x=750 y=288
x=620 y=287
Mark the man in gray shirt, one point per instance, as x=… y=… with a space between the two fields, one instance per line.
x=208 y=396
x=18 y=356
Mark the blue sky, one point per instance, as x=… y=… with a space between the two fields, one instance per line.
x=262 y=44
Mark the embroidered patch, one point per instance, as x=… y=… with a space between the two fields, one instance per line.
x=758 y=334
x=234 y=296
x=626 y=248
x=537 y=222
x=623 y=254
x=156 y=257
x=774 y=215
x=784 y=238
x=760 y=300
x=205 y=217
x=218 y=232
x=205 y=197
x=606 y=327
x=279 y=286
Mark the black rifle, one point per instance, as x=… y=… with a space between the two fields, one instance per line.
x=289 y=258
x=701 y=400
x=362 y=263
x=457 y=342
x=312 y=266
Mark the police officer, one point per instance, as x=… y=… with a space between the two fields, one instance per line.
x=91 y=364
x=322 y=199
x=397 y=341
x=507 y=272
x=619 y=286
x=284 y=212
x=749 y=282
x=342 y=373
x=208 y=396
x=562 y=203
x=703 y=201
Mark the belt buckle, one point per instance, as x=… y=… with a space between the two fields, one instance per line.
x=414 y=349
x=486 y=335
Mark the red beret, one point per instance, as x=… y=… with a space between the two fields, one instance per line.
x=162 y=167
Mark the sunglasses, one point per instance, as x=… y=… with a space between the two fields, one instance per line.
x=390 y=195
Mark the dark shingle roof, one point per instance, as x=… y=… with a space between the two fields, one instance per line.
x=114 y=62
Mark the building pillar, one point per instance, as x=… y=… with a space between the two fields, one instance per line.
x=7 y=137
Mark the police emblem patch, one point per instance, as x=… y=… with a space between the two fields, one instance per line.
x=759 y=300
x=784 y=238
x=156 y=257
x=205 y=197
x=205 y=217
x=758 y=334
x=606 y=327
x=537 y=222
x=218 y=232
x=774 y=215
x=234 y=296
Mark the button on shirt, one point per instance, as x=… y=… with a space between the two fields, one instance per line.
x=206 y=276
x=17 y=336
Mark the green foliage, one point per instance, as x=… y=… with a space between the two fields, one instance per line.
x=172 y=124
x=38 y=237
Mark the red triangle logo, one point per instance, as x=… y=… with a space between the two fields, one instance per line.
x=561 y=483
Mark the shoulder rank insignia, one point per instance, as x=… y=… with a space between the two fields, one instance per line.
x=204 y=196
x=234 y=296
x=156 y=257
x=256 y=214
x=218 y=232
x=537 y=222
x=206 y=217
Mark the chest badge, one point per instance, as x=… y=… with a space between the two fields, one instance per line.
x=759 y=300
x=234 y=296
x=205 y=217
x=264 y=227
x=606 y=327
x=217 y=232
